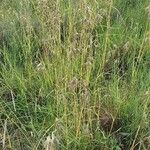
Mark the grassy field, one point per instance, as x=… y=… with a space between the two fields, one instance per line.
x=74 y=75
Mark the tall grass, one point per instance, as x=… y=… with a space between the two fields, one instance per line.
x=74 y=74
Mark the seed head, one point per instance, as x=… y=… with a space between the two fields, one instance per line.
x=51 y=143
x=74 y=84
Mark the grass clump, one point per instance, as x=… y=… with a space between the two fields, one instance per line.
x=74 y=74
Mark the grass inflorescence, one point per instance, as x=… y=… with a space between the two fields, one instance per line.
x=74 y=74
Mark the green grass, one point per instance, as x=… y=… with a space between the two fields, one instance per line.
x=61 y=88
